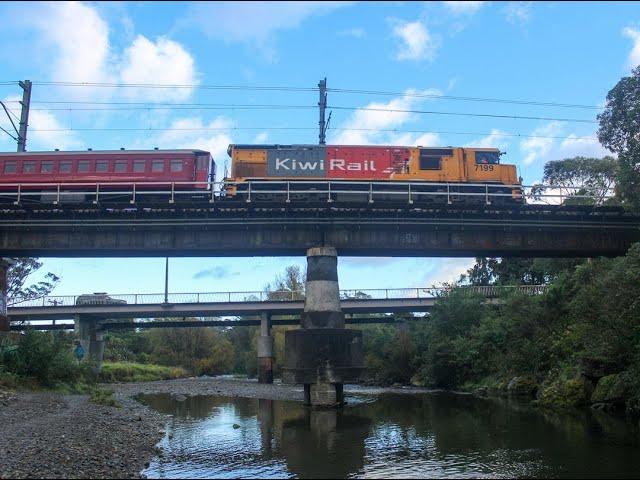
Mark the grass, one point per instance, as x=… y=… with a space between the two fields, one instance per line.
x=138 y=372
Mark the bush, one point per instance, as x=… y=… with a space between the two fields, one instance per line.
x=45 y=357
x=136 y=372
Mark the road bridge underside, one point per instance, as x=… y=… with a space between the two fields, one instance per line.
x=359 y=233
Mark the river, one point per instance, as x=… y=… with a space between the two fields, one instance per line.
x=419 y=435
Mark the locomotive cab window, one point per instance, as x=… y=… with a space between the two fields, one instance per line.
x=29 y=167
x=139 y=166
x=157 y=166
x=430 y=162
x=10 y=167
x=102 y=166
x=65 y=166
x=121 y=166
x=46 y=167
x=176 y=165
x=487 y=158
x=83 y=166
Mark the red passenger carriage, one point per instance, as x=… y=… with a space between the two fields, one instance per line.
x=148 y=169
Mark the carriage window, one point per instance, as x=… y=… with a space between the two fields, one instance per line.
x=29 y=167
x=139 y=166
x=491 y=158
x=102 y=166
x=121 y=166
x=157 y=166
x=46 y=167
x=430 y=162
x=83 y=166
x=65 y=166
x=10 y=167
x=176 y=165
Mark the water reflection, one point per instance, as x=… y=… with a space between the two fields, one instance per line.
x=399 y=436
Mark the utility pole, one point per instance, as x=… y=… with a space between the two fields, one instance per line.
x=166 y=280
x=24 y=114
x=323 y=106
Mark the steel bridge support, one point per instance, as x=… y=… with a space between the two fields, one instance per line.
x=265 y=350
x=4 y=319
x=90 y=335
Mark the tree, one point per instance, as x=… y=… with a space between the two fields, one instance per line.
x=583 y=176
x=289 y=286
x=18 y=275
x=620 y=132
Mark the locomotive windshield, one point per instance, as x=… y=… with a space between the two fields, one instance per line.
x=490 y=158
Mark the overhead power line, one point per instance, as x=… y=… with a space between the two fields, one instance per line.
x=463 y=114
x=469 y=99
x=123 y=106
x=313 y=89
x=387 y=130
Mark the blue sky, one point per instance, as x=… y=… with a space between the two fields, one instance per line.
x=559 y=52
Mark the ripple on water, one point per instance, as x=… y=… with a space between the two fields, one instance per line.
x=417 y=436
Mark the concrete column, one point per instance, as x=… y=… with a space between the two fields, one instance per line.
x=322 y=301
x=4 y=319
x=91 y=338
x=322 y=355
x=265 y=350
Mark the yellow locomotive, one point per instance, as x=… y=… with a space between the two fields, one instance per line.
x=460 y=171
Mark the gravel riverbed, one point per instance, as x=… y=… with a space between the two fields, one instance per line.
x=52 y=435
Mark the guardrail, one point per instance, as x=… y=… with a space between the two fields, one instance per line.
x=287 y=191
x=263 y=296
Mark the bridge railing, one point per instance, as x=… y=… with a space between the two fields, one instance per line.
x=262 y=296
x=286 y=191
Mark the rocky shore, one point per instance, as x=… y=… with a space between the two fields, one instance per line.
x=51 y=435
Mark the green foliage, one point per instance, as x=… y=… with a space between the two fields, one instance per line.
x=17 y=276
x=202 y=351
x=104 y=397
x=45 y=357
x=136 y=372
x=620 y=132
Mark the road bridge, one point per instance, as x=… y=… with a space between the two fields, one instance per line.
x=224 y=304
x=95 y=314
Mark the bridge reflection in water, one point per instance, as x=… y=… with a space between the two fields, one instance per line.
x=418 y=435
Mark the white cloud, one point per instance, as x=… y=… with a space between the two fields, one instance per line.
x=634 y=56
x=518 y=12
x=496 y=139
x=416 y=41
x=45 y=131
x=364 y=125
x=446 y=270
x=538 y=147
x=164 y=61
x=75 y=39
x=193 y=132
x=261 y=137
x=79 y=38
x=463 y=7
x=542 y=150
x=254 y=23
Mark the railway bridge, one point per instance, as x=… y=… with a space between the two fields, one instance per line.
x=323 y=222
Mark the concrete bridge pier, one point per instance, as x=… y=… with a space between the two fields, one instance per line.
x=265 y=350
x=4 y=319
x=322 y=355
x=91 y=338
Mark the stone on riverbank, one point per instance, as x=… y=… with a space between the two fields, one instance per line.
x=612 y=389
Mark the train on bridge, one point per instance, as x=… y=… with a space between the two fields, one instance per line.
x=268 y=172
